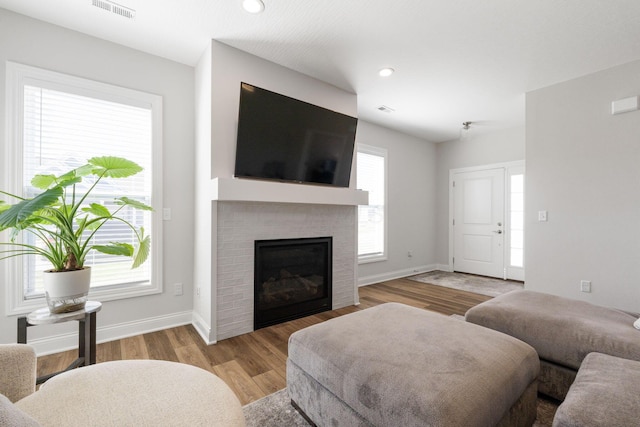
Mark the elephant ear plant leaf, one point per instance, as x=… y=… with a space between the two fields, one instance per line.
x=64 y=221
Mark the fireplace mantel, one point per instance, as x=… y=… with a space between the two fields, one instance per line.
x=248 y=190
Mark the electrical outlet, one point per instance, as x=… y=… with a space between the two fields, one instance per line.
x=585 y=286
x=166 y=214
x=177 y=289
x=409 y=254
x=198 y=291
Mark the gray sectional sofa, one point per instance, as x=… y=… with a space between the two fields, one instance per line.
x=563 y=331
x=398 y=365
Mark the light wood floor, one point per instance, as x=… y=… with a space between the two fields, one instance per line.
x=253 y=365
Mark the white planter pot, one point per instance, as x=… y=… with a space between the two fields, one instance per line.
x=67 y=290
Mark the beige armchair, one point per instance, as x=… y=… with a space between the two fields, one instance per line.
x=122 y=393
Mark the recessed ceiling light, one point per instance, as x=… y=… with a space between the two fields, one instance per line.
x=386 y=72
x=253 y=6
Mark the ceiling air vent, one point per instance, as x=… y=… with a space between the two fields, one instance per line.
x=115 y=8
x=386 y=109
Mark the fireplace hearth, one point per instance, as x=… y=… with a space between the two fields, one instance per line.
x=292 y=279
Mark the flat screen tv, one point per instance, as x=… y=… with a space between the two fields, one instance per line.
x=284 y=139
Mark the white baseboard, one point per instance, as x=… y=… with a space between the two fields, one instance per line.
x=376 y=278
x=444 y=267
x=203 y=329
x=69 y=341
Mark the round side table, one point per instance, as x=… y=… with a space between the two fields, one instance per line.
x=86 y=332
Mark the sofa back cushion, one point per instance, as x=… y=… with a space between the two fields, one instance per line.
x=562 y=330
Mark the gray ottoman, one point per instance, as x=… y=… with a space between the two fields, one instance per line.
x=562 y=330
x=395 y=365
x=606 y=393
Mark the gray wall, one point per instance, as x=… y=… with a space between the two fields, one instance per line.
x=582 y=167
x=411 y=203
x=476 y=149
x=28 y=41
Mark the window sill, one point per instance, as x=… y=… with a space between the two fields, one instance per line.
x=371 y=258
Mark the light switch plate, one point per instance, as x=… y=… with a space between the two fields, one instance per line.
x=542 y=216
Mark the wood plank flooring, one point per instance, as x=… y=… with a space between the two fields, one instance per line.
x=253 y=365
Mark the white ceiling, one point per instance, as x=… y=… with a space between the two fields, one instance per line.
x=455 y=60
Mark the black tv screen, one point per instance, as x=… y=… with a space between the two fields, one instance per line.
x=281 y=138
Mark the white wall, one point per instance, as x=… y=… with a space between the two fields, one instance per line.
x=583 y=168
x=203 y=261
x=28 y=41
x=479 y=149
x=410 y=203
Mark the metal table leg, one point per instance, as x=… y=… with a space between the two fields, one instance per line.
x=22 y=330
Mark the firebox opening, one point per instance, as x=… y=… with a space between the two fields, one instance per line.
x=292 y=279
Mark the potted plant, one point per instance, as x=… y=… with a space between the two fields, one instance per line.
x=64 y=223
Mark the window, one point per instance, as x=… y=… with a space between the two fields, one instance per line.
x=372 y=177
x=57 y=122
x=514 y=248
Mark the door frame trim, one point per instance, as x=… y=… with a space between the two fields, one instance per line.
x=507 y=198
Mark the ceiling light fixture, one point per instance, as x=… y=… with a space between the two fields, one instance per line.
x=465 y=130
x=386 y=72
x=253 y=6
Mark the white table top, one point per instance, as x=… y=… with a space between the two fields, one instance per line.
x=43 y=316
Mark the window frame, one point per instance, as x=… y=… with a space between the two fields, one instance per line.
x=19 y=75
x=381 y=152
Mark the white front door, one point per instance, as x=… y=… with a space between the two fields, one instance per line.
x=478 y=222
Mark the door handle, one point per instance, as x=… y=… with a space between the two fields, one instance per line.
x=498 y=231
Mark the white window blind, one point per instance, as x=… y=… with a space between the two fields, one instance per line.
x=61 y=131
x=371 y=177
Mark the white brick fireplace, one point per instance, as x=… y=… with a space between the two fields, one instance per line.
x=281 y=211
x=240 y=224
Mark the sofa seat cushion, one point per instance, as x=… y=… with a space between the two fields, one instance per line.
x=561 y=330
x=398 y=365
x=135 y=393
x=606 y=393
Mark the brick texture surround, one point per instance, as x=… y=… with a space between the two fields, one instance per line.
x=241 y=223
